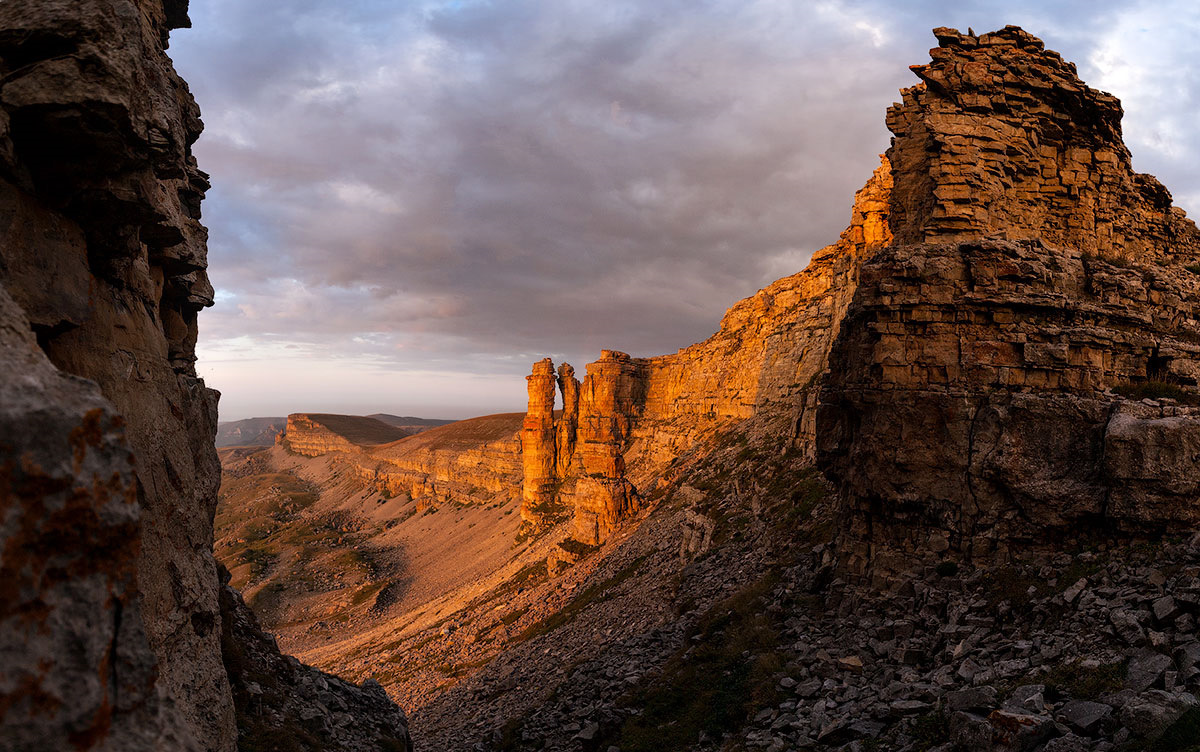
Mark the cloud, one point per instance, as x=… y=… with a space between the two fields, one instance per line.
x=465 y=186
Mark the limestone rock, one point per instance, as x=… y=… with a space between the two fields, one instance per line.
x=636 y=415
x=77 y=669
x=973 y=399
x=314 y=434
x=102 y=250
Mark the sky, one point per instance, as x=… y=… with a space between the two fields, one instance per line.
x=413 y=201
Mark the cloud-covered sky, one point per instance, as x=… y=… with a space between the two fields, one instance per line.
x=412 y=201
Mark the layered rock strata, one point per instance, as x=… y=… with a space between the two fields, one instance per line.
x=314 y=434
x=637 y=415
x=110 y=474
x=475 y=461
x=974 y=402
x=77 y=670
x=102 y=246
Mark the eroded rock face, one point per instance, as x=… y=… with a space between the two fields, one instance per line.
x=637 y=415
x=314 y=434
x=77 y=669
x=1002 y=139
x=969 y=409
x=112 y=634
x=102 y=244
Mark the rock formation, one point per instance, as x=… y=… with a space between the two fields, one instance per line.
x=538 y=444
x=637 y=415
x=974 y=404
x=314 y=434
x=110 y=473
x=1006 y=284
x=475 y=461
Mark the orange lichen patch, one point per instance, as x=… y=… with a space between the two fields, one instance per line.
x=89 y=433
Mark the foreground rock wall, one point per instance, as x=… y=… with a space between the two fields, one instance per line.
x=102 y=245
x=974 y=405
x=111 y=629
x=636 y=415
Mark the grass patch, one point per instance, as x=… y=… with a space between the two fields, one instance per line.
x=514 y=616
x=1157 y=390
x=1084 y=683
x=591 y=595
x=712 y=686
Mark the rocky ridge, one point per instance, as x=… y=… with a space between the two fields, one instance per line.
x=314 y=434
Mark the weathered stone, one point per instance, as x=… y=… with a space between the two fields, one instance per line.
x=101 y=243
x=969 y=396
x=76 y=668
x=1084 y=716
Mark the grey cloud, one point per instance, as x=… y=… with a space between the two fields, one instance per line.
x=474 y=184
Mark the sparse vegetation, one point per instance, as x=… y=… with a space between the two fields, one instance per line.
x=1157 y=390
x=1084 y=682
x=729 y=670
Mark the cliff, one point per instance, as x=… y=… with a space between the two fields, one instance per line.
x=636 y=416
x=474 y=461
x=110 y=474
x=969 y=363
x=314 y=434
x=984 y=396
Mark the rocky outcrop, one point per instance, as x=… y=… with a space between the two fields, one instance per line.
x=78 y=671
x=314 y=434
x=637 y=415
x=976 y=402
x=278 y=697
x=475 y=461
x=103 y=247
x=538 y=444
x=112 y=633
x=1002 y=139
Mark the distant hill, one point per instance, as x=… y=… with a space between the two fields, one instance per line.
x=356 y=429
x=261 y=431
x=249 y=432
x=408 y=422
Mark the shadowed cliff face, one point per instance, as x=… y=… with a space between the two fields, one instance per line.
x=110 y=475
x=103 y=247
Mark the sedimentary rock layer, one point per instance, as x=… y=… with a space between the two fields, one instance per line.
x=636 y=415
x=110 y=473
x=102 y=245
x=314 y=434
x=974 y=402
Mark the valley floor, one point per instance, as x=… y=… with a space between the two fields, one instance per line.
x=717 y=621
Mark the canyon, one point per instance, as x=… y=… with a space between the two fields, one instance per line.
x=938 y=490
